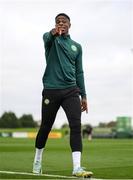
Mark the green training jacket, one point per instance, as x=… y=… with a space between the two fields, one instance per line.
x=63 y=63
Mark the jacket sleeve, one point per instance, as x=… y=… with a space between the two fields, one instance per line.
x=48 y=39
x=80 y=74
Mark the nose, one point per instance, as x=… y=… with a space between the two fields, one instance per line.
x=61 y=23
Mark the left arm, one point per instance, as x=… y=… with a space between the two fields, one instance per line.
x=80 y=81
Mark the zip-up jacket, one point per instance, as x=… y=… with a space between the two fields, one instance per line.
x=63 y=63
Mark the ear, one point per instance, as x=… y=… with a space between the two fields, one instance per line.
x=69 y=25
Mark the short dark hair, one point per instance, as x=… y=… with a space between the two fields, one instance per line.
x=62 y=14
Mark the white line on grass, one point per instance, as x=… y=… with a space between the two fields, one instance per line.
x=46 y=175
x=32 y=174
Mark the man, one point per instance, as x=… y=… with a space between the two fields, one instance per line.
x=87 y=130
x=63 y=82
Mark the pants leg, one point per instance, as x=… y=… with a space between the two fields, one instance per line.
x=50 y=106
x=72 y=108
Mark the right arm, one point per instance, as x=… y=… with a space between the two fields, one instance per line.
x=49 y=37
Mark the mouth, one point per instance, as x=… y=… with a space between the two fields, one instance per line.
x=62 y=28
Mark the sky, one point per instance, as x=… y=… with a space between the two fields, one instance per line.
x=104 y=28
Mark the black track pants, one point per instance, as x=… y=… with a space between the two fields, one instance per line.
x=70 y=102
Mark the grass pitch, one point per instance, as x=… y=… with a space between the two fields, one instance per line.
x=107 y=158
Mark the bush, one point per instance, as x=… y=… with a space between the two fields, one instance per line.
x=9 y=120
x=27 y=121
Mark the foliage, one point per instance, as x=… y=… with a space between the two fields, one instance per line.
x=27 y=121
x=10 y=120
x=110 y=124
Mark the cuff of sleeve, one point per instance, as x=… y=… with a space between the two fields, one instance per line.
x=84 y=96
x=50 y=33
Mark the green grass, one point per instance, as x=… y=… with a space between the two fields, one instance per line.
x=107 y=158
x=6 y=130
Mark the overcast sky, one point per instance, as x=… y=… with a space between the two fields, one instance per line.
x=103 y=28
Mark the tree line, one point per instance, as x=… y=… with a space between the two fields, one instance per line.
x=10 y=120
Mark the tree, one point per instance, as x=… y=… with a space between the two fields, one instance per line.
x=65 y=126
x=102 y=124
x=27 y=121
x=9 y=120
x=111 y=124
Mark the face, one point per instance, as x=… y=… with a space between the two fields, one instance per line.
x=63 y=24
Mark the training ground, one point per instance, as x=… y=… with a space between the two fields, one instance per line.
x=107 y=158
